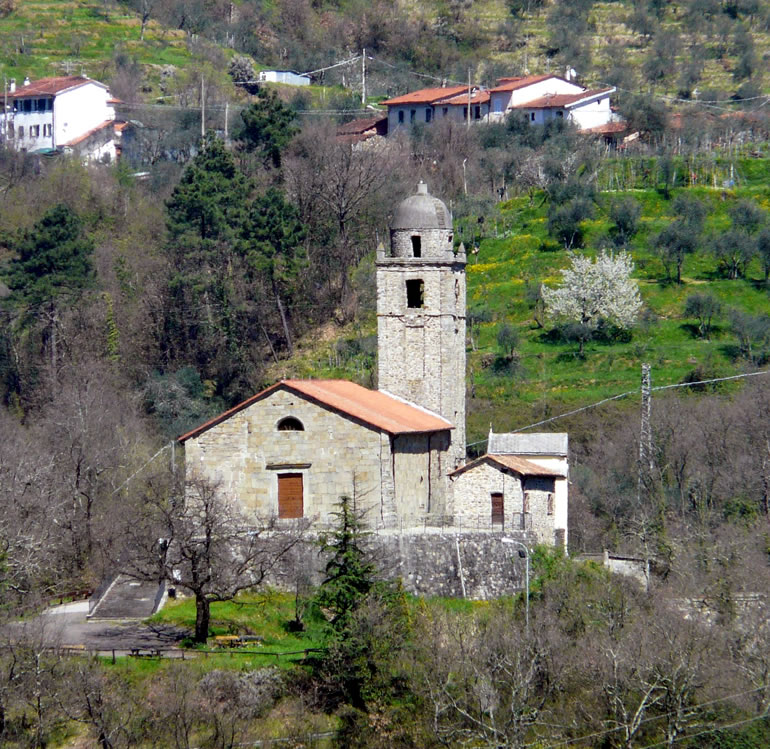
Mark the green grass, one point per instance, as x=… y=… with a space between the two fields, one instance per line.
x=264 y=614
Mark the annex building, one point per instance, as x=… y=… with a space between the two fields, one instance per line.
x=293 y=449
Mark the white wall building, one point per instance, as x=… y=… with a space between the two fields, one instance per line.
x=71 y=113
x=284 y=76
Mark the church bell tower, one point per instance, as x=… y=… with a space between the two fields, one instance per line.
x=421 y=313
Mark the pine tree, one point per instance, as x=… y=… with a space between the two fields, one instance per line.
x=52 y=268
x=268 y=126
x=272 y=238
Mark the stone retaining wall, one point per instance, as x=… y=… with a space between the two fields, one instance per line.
x=471 y=565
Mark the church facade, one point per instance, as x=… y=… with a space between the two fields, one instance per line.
x=293 y=449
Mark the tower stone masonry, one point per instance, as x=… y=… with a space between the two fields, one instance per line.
x=421 y=313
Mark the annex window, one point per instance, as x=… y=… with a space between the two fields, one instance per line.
x=550 y=503
x=27 y=105
x=498 y=508
x=415 y=290
x=416 y=246
x=401 y=117
x=41 y=105
x=34 y=131
x=290 y=495
x=10 y=132
x=290 y=424
x=525 y=503
x=47 y=130
x=428 y=115
x=21 y=131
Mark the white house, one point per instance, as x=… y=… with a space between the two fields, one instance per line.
x=284 y=76
x=70 y=113
x=547 y=97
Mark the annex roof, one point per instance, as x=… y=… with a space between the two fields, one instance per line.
x=376 y=408
x=89 y=133
x=528 y=443
x=522 y=466
x=516 y=82
x=426 y=95
x=359 y=127
x=51 y=86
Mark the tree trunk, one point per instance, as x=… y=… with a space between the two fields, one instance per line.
x=284 y=319
x=202 y=617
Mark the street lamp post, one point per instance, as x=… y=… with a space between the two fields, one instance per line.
x=523 y=554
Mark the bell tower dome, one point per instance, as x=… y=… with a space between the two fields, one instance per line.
x=421 y=312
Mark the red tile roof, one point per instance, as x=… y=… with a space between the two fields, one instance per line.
x=92 y=131
x=477 y=97
x=51 y=86
x=609 y=128
x=359 y=127
x=373 y=407
x=517 y=82
x=522 y=466
x=426 y=95
x=561 y=100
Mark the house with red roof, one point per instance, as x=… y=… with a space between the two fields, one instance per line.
x=66 y=113
x=543 y=98
x=430 y=104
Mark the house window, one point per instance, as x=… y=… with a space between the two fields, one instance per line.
x=525 y=503
x=559 y=113
x=532 y=116
x=416 y=246
x=27 y=105
x=465 y=113
x=415 y=290
x=550 y=503
x=477 y=112
x=41 y=105
x=47 y=129
x=412 y=115
x=34 y=131
x=10 y=132
x=290 y=424
x=21 y=131
x=444 y=111
x=290 y=495
x=401 y=117
x=498 y=511
x=428 y=115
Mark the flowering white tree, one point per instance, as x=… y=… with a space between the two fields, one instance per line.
x=592 y=291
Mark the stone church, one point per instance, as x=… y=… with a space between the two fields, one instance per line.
x=293 y=449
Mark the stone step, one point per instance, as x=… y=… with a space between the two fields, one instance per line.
x=127 y=599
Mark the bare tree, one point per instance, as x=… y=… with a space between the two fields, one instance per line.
x=204 y=542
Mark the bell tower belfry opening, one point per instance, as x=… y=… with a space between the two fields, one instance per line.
x=421 y=312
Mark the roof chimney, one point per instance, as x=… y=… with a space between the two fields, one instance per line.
x=26 y=80
x=12 y=87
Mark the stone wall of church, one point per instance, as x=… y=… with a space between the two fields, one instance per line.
x=420 y=462
x=246 y=453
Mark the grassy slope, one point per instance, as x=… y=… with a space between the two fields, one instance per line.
x=81 y=36
x=509 y=268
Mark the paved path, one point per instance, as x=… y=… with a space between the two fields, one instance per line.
x=67 y=625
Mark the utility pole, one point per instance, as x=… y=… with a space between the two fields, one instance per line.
x=5 y=109
x=227 y=112
x=203 y=107
x=645 y=432
x=363 y=76
x=468 y=119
